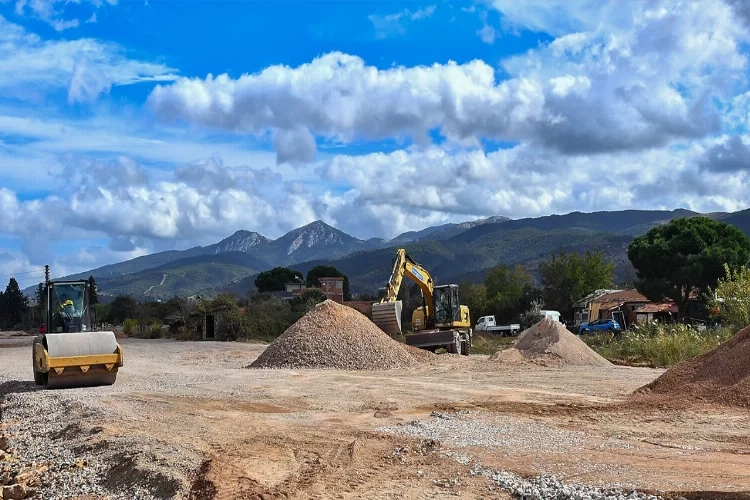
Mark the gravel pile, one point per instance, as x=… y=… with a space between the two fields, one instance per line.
x=332 y=335
x=719 y=376
x=549 y=343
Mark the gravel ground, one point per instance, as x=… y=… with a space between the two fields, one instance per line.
x=53 y=442
x=466 y=429
x=175 y=404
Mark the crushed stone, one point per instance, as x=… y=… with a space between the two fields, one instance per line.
x=721 y=376
x=335 y=336
x=549 y=343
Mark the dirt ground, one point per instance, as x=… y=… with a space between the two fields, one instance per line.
x=319 y=434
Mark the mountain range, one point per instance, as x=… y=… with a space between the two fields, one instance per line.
x=451 y=252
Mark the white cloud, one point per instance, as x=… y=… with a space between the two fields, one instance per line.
x=634 y=79
x=393 y=24
x=524 y=182
x=85 y=67
x=52 y=11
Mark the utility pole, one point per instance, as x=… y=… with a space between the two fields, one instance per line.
x=46 y=274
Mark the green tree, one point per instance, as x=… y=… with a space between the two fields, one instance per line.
x=124 y=306
x=505 y=288
x=93 y=292
x=275 y=279
x=730 y=301
x=686 y=254
x=567 y=277
x=317 y=272
x=474 y=296
x=16 y=303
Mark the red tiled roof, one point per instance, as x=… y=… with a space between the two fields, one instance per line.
x=621 y=297
x=657 y=308
x=609 y=305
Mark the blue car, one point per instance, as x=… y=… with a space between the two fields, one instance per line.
x=600 y=325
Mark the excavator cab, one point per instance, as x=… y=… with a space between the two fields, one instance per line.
x=447 y=307
x=70 y=353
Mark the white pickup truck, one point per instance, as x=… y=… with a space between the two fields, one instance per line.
x=488 y=324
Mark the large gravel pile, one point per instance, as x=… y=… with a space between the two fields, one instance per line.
x=718 y=376
x=548 y=342
x=332 y=335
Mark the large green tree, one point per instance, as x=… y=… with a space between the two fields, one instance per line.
x=15 y=303
x=686 y=254
x=505 y=287
x=317 y=272
x=275 y=279
x=568 y=277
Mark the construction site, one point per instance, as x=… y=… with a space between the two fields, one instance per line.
x=337 y=408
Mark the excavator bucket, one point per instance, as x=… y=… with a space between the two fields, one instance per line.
x=387 y=316
x=80 y=359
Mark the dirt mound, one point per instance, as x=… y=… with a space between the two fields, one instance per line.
x=549 y=343
x=332 y=335
x=719 y=376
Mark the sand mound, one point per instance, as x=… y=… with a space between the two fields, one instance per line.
x=332 y=335
x=719 y=376
x=549 y=343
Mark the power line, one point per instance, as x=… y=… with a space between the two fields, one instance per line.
x=41 y=270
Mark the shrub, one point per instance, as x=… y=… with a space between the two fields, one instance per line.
x=657 y=345
x=130 y=326
x=155 y=330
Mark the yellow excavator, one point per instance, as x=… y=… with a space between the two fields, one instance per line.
x=70 y=353
x=441 y=321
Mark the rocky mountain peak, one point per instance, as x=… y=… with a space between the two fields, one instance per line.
x=240 y=241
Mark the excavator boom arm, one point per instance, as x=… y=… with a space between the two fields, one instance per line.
x=387 y=313
x=406 y=266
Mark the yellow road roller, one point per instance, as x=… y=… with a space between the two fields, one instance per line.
x=71 y=353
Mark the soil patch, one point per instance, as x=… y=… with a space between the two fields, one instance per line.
x=721 y=376
x=549 y=343
x=332 y=335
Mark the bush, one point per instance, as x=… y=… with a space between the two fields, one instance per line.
x=657 y=345
x=155 y=330
x=233 y=326
x=130 y=326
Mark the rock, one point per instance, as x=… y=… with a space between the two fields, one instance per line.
x=3 y=443
x=14 y=492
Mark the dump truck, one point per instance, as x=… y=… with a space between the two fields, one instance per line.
x=441 y=321
x=71 y=353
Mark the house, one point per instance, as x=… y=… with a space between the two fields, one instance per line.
x=619 y=305
x=333 y=288
x=582 y=308
x=656 y=311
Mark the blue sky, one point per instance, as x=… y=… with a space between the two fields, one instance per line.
x=128 y=127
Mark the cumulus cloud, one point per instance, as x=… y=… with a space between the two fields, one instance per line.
x=733 y=156
x=85 y=67
x=294 y=146
x=121 y=201
x=633 y=77
x=523 y=181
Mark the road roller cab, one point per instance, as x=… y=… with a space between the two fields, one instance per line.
x=71 y=353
